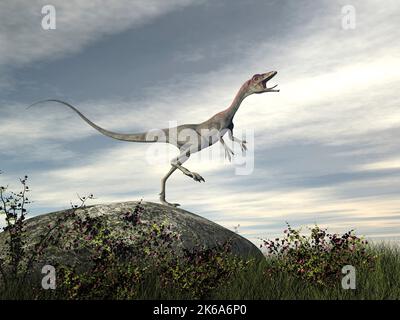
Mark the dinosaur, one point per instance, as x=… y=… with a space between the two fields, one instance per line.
x=191 y=138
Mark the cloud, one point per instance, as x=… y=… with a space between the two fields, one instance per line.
x=391 y=163
x=22 y=39
x=326 y=145
x=348 y=93
x=79 y=24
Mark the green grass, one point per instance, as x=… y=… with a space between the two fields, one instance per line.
x=383 y=282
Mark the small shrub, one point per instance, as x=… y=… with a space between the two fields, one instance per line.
x=12 y=206
x=119 y=268
x=201 y=270
x=134 y=217
x=319 y=257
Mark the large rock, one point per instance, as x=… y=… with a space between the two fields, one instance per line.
x=194 y=230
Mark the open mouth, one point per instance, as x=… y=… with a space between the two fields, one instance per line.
x=264 y=82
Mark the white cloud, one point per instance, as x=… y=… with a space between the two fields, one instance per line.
x=391 y=163
x=79 y=23
x=337 y=87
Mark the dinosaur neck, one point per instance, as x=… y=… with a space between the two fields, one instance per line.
x=240 y=96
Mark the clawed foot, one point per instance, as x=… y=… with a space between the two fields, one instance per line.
x=169 y=204
x=196 y=177
x=165 y=202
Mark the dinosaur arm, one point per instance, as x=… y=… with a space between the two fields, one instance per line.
x=228 y=151
x=234 y=139
x=135 y=137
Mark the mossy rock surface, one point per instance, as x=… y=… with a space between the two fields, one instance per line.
x=193 y=229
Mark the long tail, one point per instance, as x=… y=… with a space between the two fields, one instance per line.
x=135 y=137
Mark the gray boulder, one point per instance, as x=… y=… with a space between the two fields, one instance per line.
x=193 y=229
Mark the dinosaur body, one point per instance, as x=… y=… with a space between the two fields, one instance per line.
x=191 y=138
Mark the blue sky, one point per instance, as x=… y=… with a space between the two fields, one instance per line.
x=326 y=147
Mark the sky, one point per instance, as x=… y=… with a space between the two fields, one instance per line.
x=324 y=150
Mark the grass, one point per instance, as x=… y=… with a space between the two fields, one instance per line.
x=383 y=282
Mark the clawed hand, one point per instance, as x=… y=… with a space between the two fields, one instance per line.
x=228 y=153
x=243 y=145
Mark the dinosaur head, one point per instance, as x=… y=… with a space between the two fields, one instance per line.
x=258 y=83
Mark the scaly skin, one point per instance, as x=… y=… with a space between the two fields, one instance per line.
x=191 y=138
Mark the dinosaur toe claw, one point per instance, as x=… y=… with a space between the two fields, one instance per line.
x=196 y=177
x=164 y=202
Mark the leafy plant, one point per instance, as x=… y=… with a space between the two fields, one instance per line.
x=200 y=270
x=12 y=206
x=319 y=257
x=119 y=268
x=16 y=263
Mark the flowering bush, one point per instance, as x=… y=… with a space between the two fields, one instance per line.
x=119 y=268
x=318 y=257
x=201 y=269
x=12 y=206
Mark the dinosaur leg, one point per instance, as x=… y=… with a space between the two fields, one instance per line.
x=163 y=183
x=177 y=163
x=194 y=175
